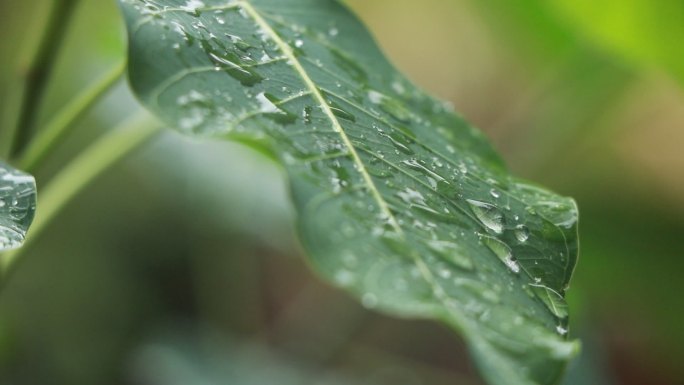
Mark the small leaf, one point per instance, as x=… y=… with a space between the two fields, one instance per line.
x=17 y=206
x=400 y=201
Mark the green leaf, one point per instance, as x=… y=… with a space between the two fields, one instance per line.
x=399 y=200
x=17 y=206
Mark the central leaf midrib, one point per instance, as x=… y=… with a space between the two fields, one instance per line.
x=438 y=291
x=287 y=51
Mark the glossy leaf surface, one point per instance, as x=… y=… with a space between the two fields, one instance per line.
x=17 y=206
x=400 y=201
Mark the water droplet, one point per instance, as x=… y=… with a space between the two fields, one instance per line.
x=390 y=105
x=188 y=37
x=552 y=299
x=433 y=178
x=306 y=114
x=233 y=65
x=490 y=216
x=399 y=142
x=444 y=273
x=560 y=350
x=522 y=233
x=344 y=277
x=192 y=7
x=411 y=196
x=369 y=300
x=193 y=97
x=398 y=87
x=193 y=119
x=242 y=45
x=494 y=193
x=336 y=109
x=268 y=105
x=502 y=251
x=341 y=113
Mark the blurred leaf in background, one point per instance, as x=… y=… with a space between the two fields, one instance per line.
x=181 y=358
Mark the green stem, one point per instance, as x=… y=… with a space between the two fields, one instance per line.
x=9 y=114
x=64 y=121
x=78 y=174
x=39 y=71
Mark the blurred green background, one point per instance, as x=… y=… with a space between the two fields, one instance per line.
x=180 y=265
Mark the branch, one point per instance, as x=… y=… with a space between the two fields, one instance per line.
x=39 y=70
x=64 y=121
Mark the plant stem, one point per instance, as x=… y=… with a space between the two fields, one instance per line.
x=64 y=121
x=39 y=71
x=9 y=114
x=78 y=174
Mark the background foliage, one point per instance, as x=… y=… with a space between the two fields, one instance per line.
x=143 y=273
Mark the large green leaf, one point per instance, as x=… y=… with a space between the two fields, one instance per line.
x=399 y=200
x=17 y=206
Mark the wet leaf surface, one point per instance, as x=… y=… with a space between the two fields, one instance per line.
x=399 y=200
x=17 y=206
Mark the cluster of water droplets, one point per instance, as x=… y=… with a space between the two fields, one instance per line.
x=501 y=233
x=17 y=206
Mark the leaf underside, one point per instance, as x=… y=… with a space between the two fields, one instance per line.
x=17 y=206
x=399 y=200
